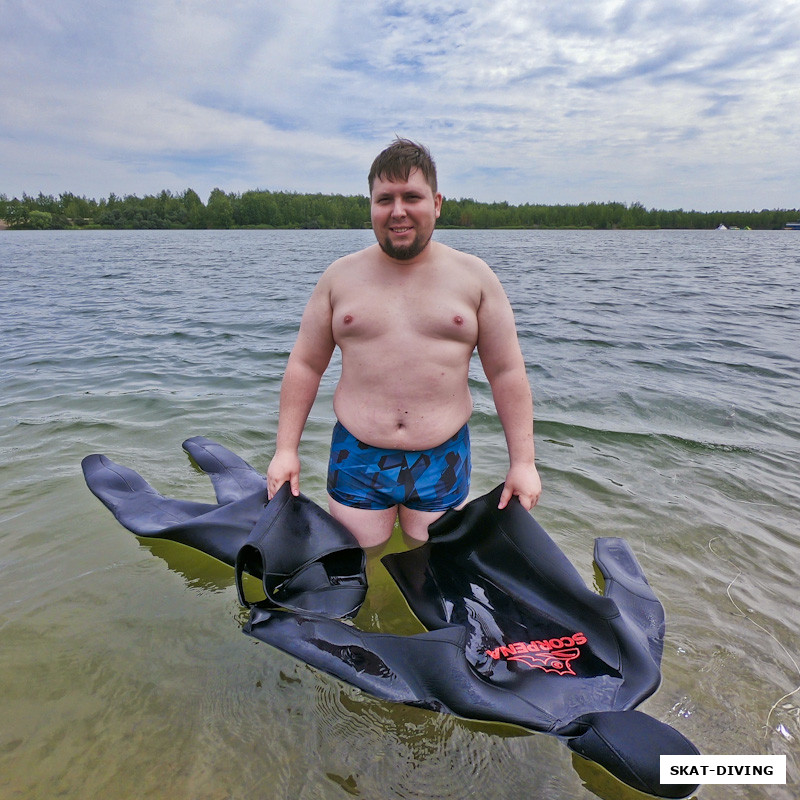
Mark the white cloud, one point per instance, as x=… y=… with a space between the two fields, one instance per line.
x=685 y=104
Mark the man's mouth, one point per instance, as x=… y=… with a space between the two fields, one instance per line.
x=400 y=230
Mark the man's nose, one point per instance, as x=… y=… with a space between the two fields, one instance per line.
x=398 y=207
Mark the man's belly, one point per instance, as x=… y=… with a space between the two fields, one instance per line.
x=402 y=421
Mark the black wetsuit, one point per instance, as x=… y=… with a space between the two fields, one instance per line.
x=514 y=634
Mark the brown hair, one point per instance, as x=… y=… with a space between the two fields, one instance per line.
x=399 y=158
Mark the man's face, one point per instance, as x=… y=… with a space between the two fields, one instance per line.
x=404 y=214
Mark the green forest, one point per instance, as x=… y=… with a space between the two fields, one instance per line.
x=265 y=209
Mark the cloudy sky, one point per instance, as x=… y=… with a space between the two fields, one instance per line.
x=672 y=103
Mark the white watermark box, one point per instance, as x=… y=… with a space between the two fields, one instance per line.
x=723 y=769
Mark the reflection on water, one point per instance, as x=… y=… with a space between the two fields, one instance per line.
x=666 y=381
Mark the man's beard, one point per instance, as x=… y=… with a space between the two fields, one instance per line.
x=407 y=252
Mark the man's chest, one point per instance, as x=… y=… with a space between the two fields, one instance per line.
x=386 y=314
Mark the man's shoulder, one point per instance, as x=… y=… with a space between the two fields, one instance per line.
x=445 y=250
x=464 y=261
x=358 y=258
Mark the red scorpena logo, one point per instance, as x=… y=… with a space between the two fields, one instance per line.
x=549 y=655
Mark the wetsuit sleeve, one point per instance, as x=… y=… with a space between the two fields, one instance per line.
x=626 y=585
x=218 y=530
x=231 y=476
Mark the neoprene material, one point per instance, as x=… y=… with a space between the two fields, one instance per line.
x=514 y=634
x=322 y=573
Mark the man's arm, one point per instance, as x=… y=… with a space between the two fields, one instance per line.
x=501 y=357
x=307 y=363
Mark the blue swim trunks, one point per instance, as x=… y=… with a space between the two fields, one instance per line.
x=362 y=476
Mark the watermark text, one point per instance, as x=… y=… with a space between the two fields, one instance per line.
x=723 y=769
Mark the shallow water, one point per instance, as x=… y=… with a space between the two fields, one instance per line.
x=666 y=375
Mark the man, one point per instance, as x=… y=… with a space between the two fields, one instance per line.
x=406 y=314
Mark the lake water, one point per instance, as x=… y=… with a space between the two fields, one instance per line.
x=666 y=374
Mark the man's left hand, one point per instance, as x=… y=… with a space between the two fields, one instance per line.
x=522 y=481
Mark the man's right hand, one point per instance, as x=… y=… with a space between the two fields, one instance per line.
x=283 y=467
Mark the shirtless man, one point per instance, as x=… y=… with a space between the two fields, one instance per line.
x=406 y=314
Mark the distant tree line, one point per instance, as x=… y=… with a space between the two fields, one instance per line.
x=264 y=209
